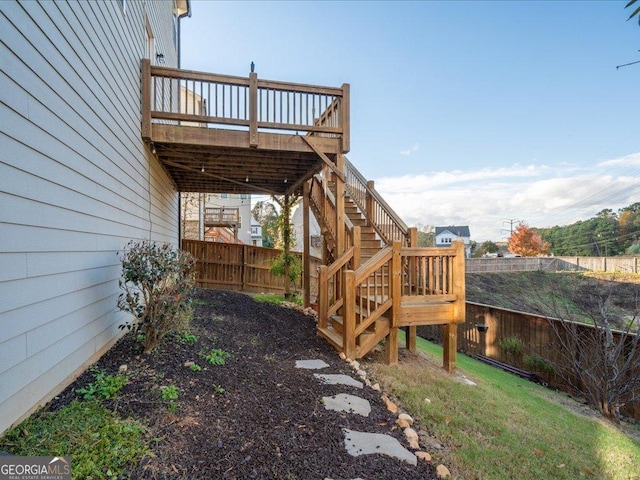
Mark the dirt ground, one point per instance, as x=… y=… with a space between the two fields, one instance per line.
x=254 y=417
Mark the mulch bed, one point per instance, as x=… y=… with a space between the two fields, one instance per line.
x=269 y=423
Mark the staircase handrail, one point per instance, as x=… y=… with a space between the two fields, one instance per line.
x=373 y=206
x=329 y=219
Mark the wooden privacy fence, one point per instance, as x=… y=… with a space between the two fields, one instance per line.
x=241 y=267
x=536 y=332
x=553 y=264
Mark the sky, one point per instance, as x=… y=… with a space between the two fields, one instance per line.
x=478 y=113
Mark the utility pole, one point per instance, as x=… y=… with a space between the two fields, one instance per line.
x=511 y=222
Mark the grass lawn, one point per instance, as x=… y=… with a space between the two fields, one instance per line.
x=506 y=427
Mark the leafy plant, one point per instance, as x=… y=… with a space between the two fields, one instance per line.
x=195 y=367
x=538 y=364
x=187 y=337
x=215 y=356
x=104 y=386
x=170 y=394
x=511 y=345
x=218 y=389
x=157 y=281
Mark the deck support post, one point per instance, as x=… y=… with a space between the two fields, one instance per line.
x=146 y=100
x=306 y=256
x=357 y=248
x=410 y=338
x=391 y=347
x=253 y=109
x=449 y=342
x=349 y=314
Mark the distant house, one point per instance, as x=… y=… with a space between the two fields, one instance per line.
x=445 y=235
x=78 y=182
x=220 y=217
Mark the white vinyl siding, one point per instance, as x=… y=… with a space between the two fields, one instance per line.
x=76 y=184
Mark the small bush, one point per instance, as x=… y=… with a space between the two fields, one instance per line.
x=187 y=337
x=105 y=386
x=215 y=356
x=538 y=364
x=170 y=394
x=158 y=281
x=511 y=345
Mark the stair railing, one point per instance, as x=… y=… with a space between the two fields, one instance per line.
x=378 y=213
x=323 y=204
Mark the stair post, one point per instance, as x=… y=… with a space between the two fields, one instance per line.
x=340 y=222
x=323 y=297
x=349 y=314
x=369 y=204
x=391 y=344
x=411 y=332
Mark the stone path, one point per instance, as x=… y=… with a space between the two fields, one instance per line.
x=365 y=443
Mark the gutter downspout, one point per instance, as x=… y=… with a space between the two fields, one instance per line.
x=185 y=14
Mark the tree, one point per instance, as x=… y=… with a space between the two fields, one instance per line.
x=486 y=247
x=599 y=361
x=266 y=215
x=426 y=235
x=636 y=12
x=527 y=243
x=287 y=264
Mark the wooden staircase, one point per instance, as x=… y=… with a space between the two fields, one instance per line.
x=376 y=280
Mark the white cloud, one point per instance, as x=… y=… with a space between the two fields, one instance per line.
x=406 y=152
x=539 y=195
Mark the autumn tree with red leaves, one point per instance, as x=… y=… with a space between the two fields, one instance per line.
x=527 y=243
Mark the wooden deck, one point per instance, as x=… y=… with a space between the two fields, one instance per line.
x=224 y=134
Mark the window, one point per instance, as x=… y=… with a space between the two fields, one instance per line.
x=223 y=195
x=243 y=196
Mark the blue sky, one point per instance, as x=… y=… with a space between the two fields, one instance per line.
x=467 y=113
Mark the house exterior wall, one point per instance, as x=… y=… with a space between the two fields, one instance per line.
x=76 y=184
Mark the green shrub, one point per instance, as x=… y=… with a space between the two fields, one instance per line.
x=158 y=281
x=539 y=364
x=170 y=394
x=511 y=345
x=215 y=356
x=105 y=386
x=187 y=337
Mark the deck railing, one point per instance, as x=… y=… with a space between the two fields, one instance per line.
x=211 y=100
x=221 y=216
x=379 y=214
x=389 y=281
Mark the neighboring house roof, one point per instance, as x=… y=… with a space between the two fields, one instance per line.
x=460 y=231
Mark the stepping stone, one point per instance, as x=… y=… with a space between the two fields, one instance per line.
x=337 y=379
x=347 y=403
x=311 y=364
x=363 y=443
